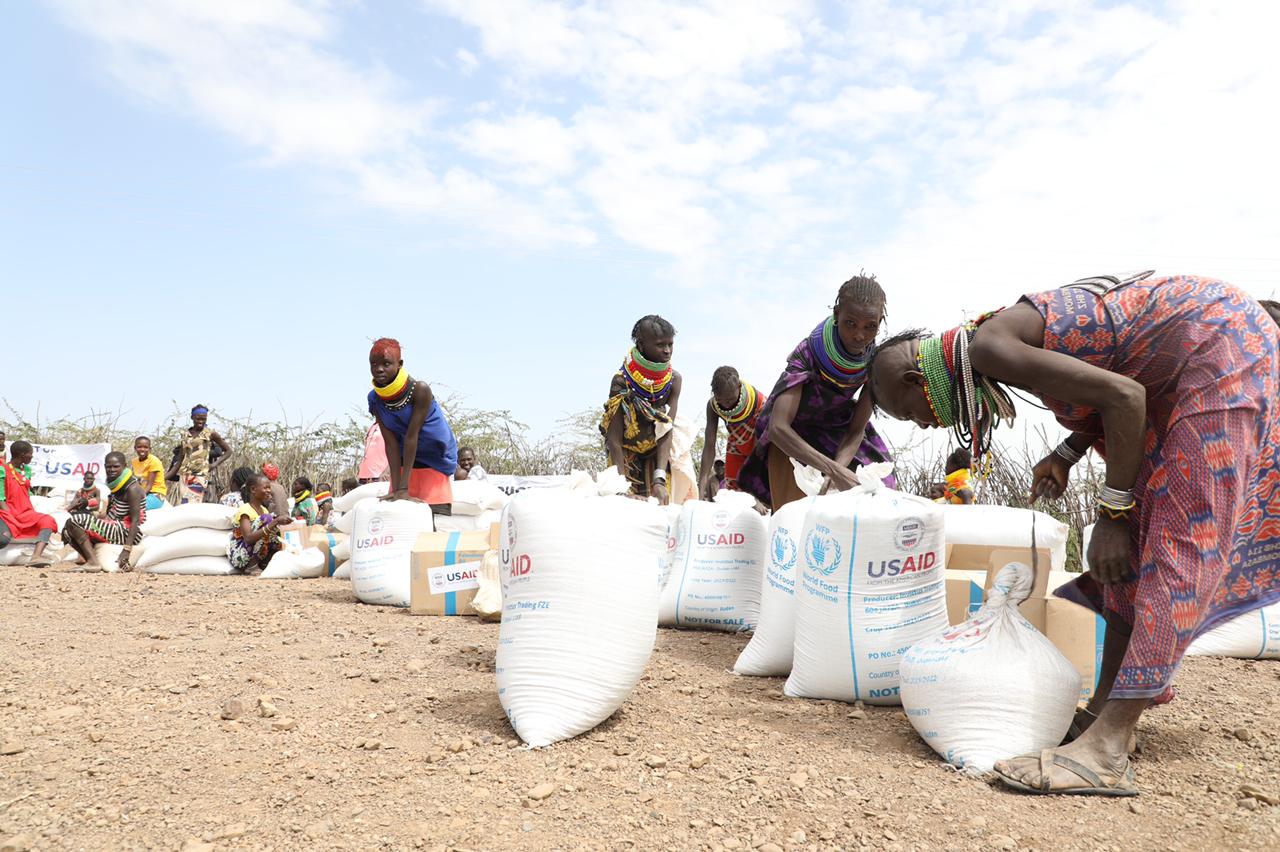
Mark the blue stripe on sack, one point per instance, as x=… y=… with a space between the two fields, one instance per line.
x=1262 y=614
x=848 y=598
x=975 y=600
x=451 y=558
x=330 y=563
x=688 y=554
x=1100 y=641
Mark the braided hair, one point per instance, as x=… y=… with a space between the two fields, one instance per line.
x=657 y=323
x=861 y=289
x=723 y=378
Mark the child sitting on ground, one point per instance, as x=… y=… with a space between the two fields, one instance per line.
x=256 y=536
x=305 y=508
x=87 y=499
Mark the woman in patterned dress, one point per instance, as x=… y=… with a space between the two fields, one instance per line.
x=122 y=522
x=191 y=465
x=817 y=413
x=1173 y=381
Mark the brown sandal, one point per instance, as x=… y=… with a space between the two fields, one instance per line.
x=1122 y=787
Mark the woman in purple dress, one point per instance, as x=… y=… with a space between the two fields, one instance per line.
x=816 y=413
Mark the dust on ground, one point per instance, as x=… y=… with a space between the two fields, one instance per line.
x=229 y=713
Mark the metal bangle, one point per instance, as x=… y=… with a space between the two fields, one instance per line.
x=1068 y=453
x=1114 y=497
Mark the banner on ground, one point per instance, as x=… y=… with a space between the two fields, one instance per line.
x=62 y=466
x=512 y=484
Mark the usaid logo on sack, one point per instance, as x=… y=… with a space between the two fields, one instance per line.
x=375 y=525
x=909 y=534
x=821 y=551
x=720 y=519
x=373 y=539
x=783 y=549
x=511 y=530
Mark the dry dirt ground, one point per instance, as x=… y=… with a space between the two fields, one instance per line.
x=362 y=727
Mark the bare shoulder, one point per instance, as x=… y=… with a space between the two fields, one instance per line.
x=1013 y=328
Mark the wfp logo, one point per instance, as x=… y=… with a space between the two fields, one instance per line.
x=783 y=550
x=821 y=552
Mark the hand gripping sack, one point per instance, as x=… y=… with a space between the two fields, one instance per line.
x=381 y=541
x=869 y=585
x=1252 y=636
x=579 y=608
x=212 y=516
x=993 y=687
x=716 y=569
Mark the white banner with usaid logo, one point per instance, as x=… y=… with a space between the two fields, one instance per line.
x=62 y=466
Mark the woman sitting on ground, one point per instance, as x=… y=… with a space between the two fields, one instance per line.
x=643 y=394
x=122 y=522
x=193 y=467
x=1173 y=381
x=149 y=472
x=421 y=450
x=255 y=537
x=304 y=502
x=818 y=413
x=18 y=518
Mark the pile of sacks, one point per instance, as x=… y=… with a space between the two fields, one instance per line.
x=477 y=505
x=187 y=539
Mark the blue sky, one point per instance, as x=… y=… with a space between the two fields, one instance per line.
x=253 y=190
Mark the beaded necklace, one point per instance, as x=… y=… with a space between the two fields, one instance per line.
x=648 y=379
x=746 y=406
x=120 y=481
x=835 y=363
x=398 y=392
x=970 y=404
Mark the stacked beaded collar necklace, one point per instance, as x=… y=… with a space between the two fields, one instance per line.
x=965 y=401
x=321 y=496
x=748 y=403
x=120 y=481
x=648 y=379
x=398 y=393
x=835 y=363
x=302 y=495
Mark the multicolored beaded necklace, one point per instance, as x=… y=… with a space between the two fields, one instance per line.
x=321 y=496
x=120 y=481
x=961 y=399
x=648 y=379
x=398 y=392
x=835 y=363
x=747 y=406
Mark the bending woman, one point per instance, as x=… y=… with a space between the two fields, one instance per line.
x=122 y=523
x=1173 y=381
x=421 y=450
x=816 y=413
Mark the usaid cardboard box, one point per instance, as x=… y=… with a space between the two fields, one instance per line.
x=444 y=571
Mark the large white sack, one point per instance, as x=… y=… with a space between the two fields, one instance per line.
x=993 y=687
x=1006 y=526
x=213 y=566
x=16 y=554
x=346 y=523
x=870 y=584
x=108 y=556
x=211 y=515
x=580 y=608
x=194 y=541
x=342 y=550
x=381 y=540
x=770 y=650
x=476 y=496
x=468 y=523
x=1252 y=636
x=348 y=501
x=287 y=565
x=716 y=570
x=46 y=505
x=343 y=571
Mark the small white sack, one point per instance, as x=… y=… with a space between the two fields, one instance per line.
x=580 y=608
x=1008 y=527
x=108 y=556
x=194 y=541
x=476 y=496
x=869 y=585
x=487 y=602
x=16 y=554
x=716 y=570
x=213 y=566
x=381 y=540
x=993 y=687
x=211 y=515
x=467 y=523
x=1252 y=636
x=342 y=551
x=343 y=571
x=287 y=565
x=347 y=502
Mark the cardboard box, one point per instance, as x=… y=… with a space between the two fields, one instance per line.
x=964 y=594
x=296 y=536
x=325 y=542
x=972 y=557
x=443 y=568
x=1079 y=634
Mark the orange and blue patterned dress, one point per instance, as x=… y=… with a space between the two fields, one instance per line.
x=1206 y=533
